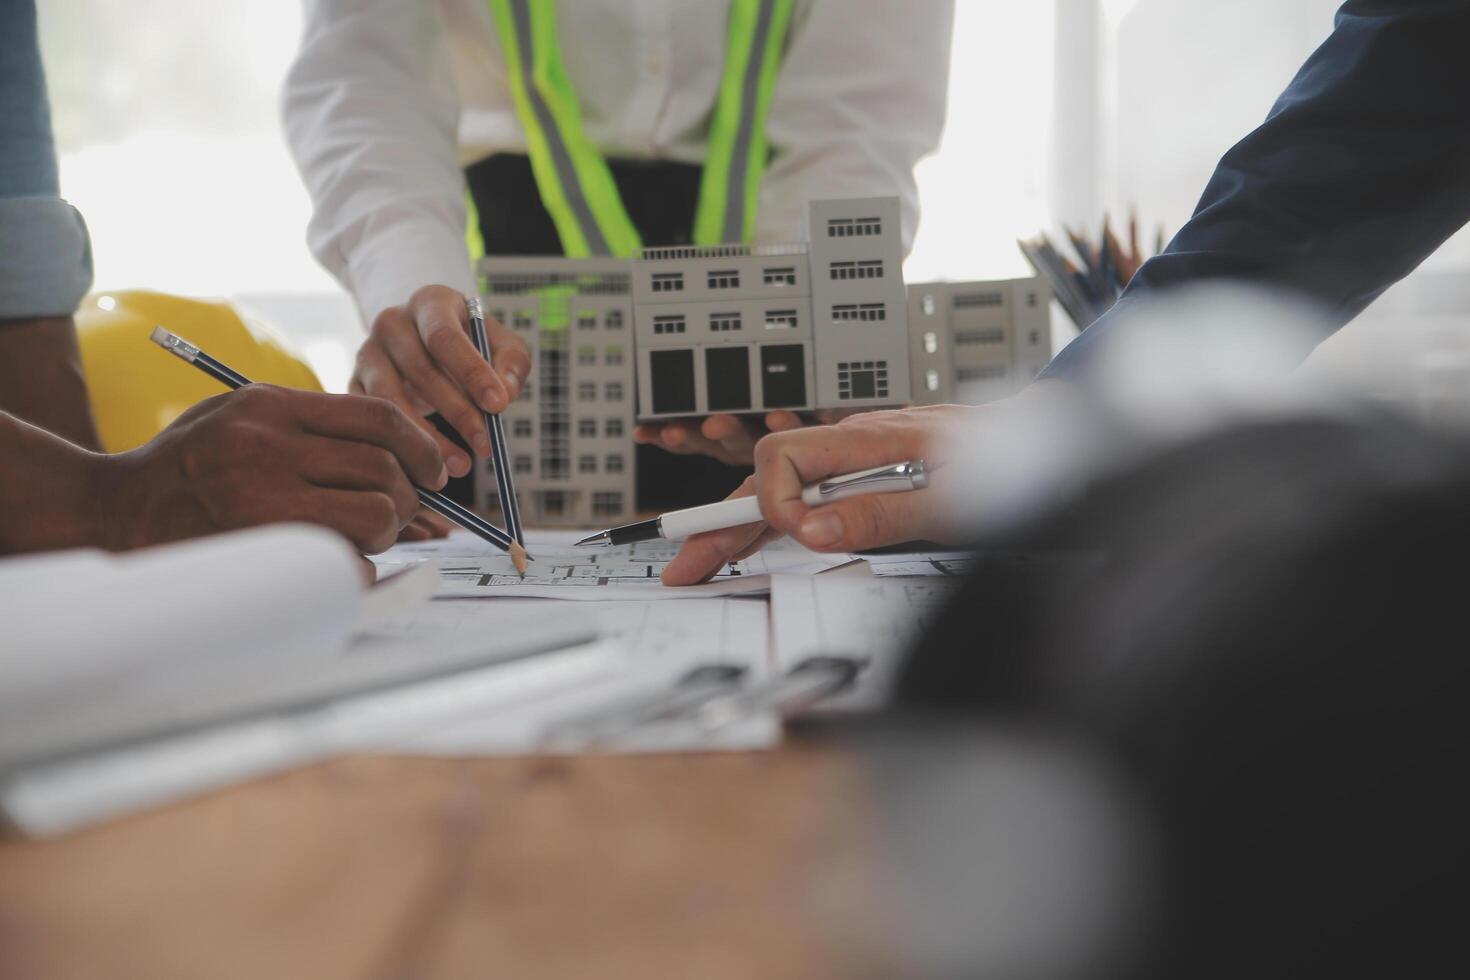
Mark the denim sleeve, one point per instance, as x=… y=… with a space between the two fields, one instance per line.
x=45 y=255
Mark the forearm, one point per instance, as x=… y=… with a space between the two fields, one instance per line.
x=50 y=491
x=41 y=378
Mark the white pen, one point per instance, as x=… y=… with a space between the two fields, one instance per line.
x=679 y=524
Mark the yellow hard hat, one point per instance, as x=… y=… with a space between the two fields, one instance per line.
x=138 y=388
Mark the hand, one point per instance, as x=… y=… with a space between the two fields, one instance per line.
x=420 y=357
x=727 y=438
x=264 y=454
x=786 y=462
x=425 y=526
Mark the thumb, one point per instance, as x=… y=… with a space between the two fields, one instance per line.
x=869 y=521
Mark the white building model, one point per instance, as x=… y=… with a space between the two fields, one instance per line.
x=738 y=329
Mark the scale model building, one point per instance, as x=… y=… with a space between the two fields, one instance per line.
x=697 y=330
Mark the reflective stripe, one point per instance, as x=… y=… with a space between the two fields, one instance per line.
x=576 y=185
x=736 y=160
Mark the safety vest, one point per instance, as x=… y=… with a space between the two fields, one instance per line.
x=576 y=185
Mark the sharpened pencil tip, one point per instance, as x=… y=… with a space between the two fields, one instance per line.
x=518 y=558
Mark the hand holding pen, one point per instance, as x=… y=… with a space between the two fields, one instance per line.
x=788 y=464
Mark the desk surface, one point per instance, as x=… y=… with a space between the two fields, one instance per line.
x=715 y=866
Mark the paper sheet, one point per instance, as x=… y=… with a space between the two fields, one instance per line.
x=874 y=619
x=471 y=568
x=662 y=642
x=942 y=563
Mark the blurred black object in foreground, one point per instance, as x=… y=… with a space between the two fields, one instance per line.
x=1269 y=645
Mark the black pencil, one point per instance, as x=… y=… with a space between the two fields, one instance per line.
x=233 y=379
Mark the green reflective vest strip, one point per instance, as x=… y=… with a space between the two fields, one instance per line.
x=576 y=185
x=735 y=161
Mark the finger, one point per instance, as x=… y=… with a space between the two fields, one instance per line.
x=870 y=521
x=510 y=356
x=732 y=435
x=783 y=421
x=376 y=422
x=443 y=323
x=702 y=555
x=437 y=526
x=377 y=376
x=369 y=520
x=344 y=465
x=413 y=362
x=768 y=534
x=786 y=462
x=413 y=531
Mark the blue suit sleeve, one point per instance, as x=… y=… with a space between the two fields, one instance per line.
x=1361 y=170
x=45 y=256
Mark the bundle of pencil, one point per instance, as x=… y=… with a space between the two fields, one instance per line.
x=1089 y=281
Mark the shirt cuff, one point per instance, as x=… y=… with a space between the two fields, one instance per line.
x=46 y=260
x=389 y=269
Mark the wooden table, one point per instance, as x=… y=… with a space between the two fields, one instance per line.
x=757 y=865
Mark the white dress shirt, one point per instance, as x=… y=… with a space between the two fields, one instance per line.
x=388 y=99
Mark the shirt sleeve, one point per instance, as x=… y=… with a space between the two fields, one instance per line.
x=1361 y=170
x=859 y=101
x=45 y=255
x=372 y=120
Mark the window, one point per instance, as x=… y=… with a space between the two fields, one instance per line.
x=862 y=379
x=931 y=380
x=586 y=464
x=668 y=282
x=521 y=464
x=613 y=319
x=586 y=355
x=525 y=394
x=1034 y=338
x=866 y=269
x=522 y=320
x=780 y=319
x=854 y=227
x=860 y=311
x=783 y=276
x=723 y=279
x=613 y=428
x=990 y=372
x=613 y=463
x=521 y=428
x=586 y=391
x=931 y=342
x=928 y=305
x=613 y=356
x=553 y=503
x=498 y=316
x=721 y=322
x=587 y=320
x=987 y=335
x=669 y=323
x=613 y=391
x=587 y=428
x=607 y=503
x=974 y=301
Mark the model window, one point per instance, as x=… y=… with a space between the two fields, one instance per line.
x=586 y=355
x=497 y=315
x=852 y=227
x=668 y=282
x=723 y=279
x=521 y=428
x=613 y=428
x=586 y=320
x=525 y=394
x=607 y=503
x=992 y=372
x=522 y=320
x=971 y=301
x=613 y=356
x=553 y=503
x=867 y=269
x=613 y=463
x=669 y=323
x=722 y=322
x=784 y=276
x=613 y=391
x=613 y=319
x=862 y=379
x=521 y=464
x=587 y=428
x=586 y=464
x=868 y=312
x=780 y=319
x=586 y=391
x=986 y=335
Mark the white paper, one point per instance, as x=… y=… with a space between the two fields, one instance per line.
x=662 y=641
x=875 y=620
x=955 y=564
x=471 y=568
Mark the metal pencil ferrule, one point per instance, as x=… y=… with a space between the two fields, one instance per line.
x=900 y=476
